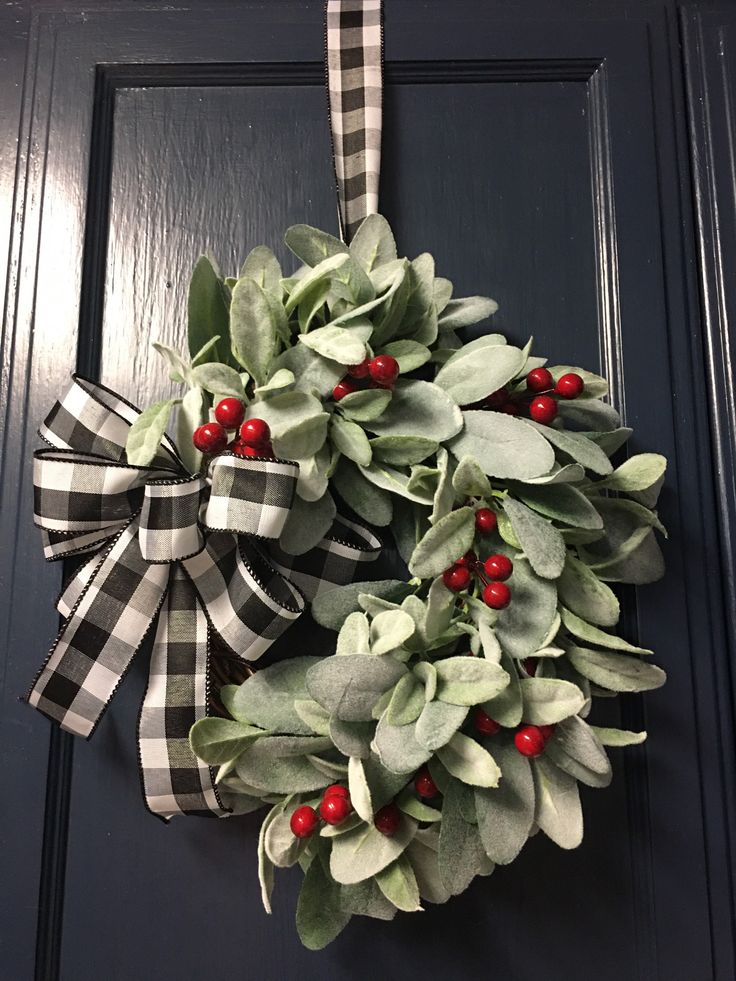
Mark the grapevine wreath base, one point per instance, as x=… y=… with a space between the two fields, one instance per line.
x=450 y=724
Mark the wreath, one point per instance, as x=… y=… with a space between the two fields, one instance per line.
x=450 y=723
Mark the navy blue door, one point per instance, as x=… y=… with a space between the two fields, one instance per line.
x=571 y=160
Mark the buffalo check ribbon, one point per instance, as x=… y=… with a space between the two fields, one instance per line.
x=193 y=556
x=354 y=61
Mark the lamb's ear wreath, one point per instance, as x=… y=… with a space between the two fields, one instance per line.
x=451 y=722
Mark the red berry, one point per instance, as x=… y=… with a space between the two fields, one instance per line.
x=303 y=821
x=242 y=449
x=484 y=723
x=486 y=521
x=547 y=731
x=255 y=432
x=336 y=790
x=388 y=819
x=570 y=386
x=210 y=438
x=266 y=449
x=497 y=595
x=456 y=578
x=335 y=809
x=359 y=370
x=424 y=784
x=384 y=369
x=469 y=560
x=511 y=409
x=343 y=388
x=497 y=399
x=230 y=413
x=529 y=741
x=543 y=409
x=539 y=380
x=498 y=567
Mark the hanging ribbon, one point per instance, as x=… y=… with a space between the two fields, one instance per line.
x=190 y=554
x=354 y=59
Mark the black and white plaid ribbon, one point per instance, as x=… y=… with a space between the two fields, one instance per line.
x=195 y=556
x=354 y=59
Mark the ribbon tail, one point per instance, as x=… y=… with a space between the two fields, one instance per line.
x=332 y=562
x=106 y=627
x=174 y=780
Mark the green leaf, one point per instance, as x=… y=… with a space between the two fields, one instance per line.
x=267 y=697
x=562 y=503
x=558 y=812
x=331 y=608
x=389 y=630
x=366 y=899
x=364 y=852
x=466 y=311
x=360 y=794
x=373 y=244
x=313 y=715
x=398 y=884
x=145 y=435
x=281 y=378
x=354 y=636
x=312 y=245
x=522 y=627
x=259 y=767
x=616 y=672
x=541 y=541
x=337 y=343
x=408 y=802
x=470 y=480
x=469 y=680
x=365 y=406
x=407 y=701
x=506 y=813
x=265 y=865
x=180 y=369
x=418 y=408
x=397 y=746
x=549 y=700
x=477 y=369
x=304 y=439
x=576 y=749
x=352 y=738
x=618 y=737
x=323 y=271
x=307 y=524
x=312 y=373
x=427 y=674
x=409 y=354
x=503 y=446
x=369 y=502
x=424 y=862
x=461 y=853
x=586 y=631
x=469 y=761
x=219 y=379
x=320 y=917
x=207 y=309
x=190 y=416
x=575 y=445
x=402 y=451
x=438 y=723
x=218 y=740
x=588 y=414
x=443 y=544
x=282 y=847
x=395 y=482
x=252 y=329
x=350 y=686
x=262 y=266
x=350 y=440
x=582 y=592
x=506 y=707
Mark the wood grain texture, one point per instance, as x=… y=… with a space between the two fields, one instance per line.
x=539 y=152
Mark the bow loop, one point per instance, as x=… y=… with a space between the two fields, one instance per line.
x=250 y=495
x=169 y=528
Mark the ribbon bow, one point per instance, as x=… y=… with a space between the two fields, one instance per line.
x=187 y=553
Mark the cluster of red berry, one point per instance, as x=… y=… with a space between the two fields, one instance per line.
x=379 y=372
x=253 y=437
x=334 y=808
x=493 y=573
x=529 y=740
x=542 y=407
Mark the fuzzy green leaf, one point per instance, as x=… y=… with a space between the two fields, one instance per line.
x=207 y=311
x=145 y=435
x=398 y=884
x=320 y=916
x=331 y=608
x=364 y=852
x=581 y=591
x=477 y=369
x=350 y=686
x=522 y=627
x=373 y=244
x=443 y=544
x=506 y=813
x=252 y=329
x=469 y=680
x=218 y=740
x=438 y=723
x=586 y=631
x=549 y=700
x=558 y=812
x=469 y=761
x=541 y=541
x=461 y=852
x=616 y=672
x=267 y=697
x=307 y=524
x=418 y=408
x=466 y=311
x=365 y=406
x=503 y=446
